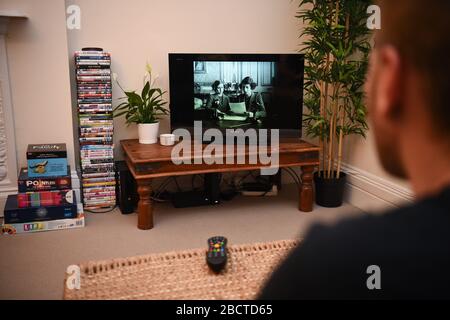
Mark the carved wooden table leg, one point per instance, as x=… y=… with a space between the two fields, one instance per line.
x=307 y=191
x=145 y=205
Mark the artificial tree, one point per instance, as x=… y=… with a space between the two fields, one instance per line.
x=336 y=48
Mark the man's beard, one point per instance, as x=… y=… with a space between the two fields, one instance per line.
x=389 y=154
x=387 y=144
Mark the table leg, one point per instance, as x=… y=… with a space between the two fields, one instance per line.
x=145 y=205
x=306 y=190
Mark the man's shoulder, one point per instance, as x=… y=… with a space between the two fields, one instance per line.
x=409 y=246
x=425 y=216
x=405 y=233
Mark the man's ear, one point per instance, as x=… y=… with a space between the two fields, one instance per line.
x=390 y=82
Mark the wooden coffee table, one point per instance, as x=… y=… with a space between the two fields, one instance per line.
x=147 y=162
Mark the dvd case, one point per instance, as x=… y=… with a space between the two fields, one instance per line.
x=94 y=98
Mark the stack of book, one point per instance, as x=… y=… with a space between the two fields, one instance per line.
x=94 y=97
x=45 y=200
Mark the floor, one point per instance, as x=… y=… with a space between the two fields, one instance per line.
x=32 y=266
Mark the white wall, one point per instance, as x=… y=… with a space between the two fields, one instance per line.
x=362 y=153
x=39 y=75
x=137 y=31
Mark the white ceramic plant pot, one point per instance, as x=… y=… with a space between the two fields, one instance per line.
x=148 y=132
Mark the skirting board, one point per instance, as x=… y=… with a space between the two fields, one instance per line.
x=369 y=192
x=75 y=187
x=4 y=193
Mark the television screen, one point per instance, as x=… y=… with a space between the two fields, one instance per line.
x=236 y=91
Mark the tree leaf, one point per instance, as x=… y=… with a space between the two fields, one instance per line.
x=145 y=90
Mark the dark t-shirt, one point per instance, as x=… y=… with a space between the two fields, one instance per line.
x=254 y=104
x=411 y=247
x=222 y=103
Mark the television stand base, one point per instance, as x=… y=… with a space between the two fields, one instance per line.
x=191 y=199
x=209 y=196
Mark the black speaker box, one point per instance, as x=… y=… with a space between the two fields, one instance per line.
x=209 y=196
x=212 y=187
x=190 y=199
x=126 y=189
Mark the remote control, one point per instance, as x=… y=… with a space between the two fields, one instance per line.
x=216 y=257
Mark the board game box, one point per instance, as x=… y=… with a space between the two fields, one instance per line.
x=14 y=214
x=31 y=227
x=45 y=198
x=45 y=160
x=30 y=184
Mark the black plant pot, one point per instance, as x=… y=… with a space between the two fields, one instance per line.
x=330 y=192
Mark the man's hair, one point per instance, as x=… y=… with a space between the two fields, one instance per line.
x=216 y=84
x=420 y=30
x=248 y=80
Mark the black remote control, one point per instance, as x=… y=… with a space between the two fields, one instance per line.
x=216 y=257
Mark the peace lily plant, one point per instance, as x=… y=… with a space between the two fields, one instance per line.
x=145 y=109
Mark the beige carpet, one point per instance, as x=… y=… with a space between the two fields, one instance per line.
x=32 y=266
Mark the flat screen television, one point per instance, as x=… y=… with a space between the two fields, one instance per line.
x=237 y=91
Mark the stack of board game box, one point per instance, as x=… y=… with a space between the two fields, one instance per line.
x=94 y=98
x=45 y=200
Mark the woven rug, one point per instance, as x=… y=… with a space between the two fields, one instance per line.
x=182 y=275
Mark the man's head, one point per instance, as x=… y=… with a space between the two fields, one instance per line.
x=248 y=85
x=218 y=87
x=408 y=81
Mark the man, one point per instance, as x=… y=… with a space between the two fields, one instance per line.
x=254 y=103
x=404 y=254
x=218 y=101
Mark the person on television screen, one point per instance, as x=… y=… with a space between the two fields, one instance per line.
x=253 y=100
x=218 y=101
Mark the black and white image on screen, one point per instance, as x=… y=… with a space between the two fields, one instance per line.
x=233 y=93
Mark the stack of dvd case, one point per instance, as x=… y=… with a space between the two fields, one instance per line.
x=94 y=97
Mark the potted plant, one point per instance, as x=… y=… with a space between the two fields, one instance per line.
x=144 y=109
x=336 y=49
